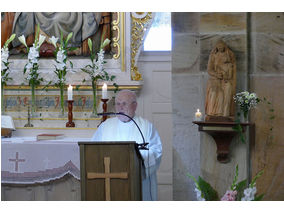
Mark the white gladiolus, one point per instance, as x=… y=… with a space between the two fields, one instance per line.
x=4 y=55
x=249 y=194
x=60 y=56
x=29 y=66
x=60 y=66
x=33 y=53
x=198 y=195
x=3 y=66
x=22 y=39
x=41 y=40
x=53 y=40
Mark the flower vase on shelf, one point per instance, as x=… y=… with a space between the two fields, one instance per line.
x=245 y=116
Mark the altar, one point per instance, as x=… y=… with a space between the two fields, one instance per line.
x=40 y=170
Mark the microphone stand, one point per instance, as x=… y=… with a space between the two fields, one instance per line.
x=141 y=145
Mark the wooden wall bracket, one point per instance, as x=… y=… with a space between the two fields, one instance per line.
x=222 y=133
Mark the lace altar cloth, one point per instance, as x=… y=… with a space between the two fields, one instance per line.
x=24 y=160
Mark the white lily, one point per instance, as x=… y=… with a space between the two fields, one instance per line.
x=105 y=43
x=22 y=39
x=53 y=40
x=41 y=40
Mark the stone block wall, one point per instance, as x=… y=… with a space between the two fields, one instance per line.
x=257 y=42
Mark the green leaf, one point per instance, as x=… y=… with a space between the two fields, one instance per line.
x=240 y=187
x=235 y=178
x=255 y=178
x=207 y=190
x=77 y=87
x=71 y=64
x=195 y=181
x=61 y=39
x=259 y=197
x=72 y=48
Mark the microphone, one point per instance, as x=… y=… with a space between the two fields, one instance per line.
x=140 y=146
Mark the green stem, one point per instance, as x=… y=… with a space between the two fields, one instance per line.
x=62 y=98
x=94 y=87
x=33 y=99
x=2 y=99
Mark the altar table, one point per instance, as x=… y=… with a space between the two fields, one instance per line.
x=24 y=160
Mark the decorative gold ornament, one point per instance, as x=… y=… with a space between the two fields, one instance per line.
x=139 y=23
x=116 y=39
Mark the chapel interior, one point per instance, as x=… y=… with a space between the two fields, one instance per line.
x=170 y=87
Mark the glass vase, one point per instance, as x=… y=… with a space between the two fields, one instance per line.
x=94 y=88
x=61 y=114
x=33 y=104
x=2 y=99
x=245 y=116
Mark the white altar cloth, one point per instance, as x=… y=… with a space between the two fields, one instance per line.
x=24 y=160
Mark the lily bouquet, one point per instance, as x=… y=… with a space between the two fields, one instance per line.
x=61 y=64
x=32 y=65
x=5 y=71
x=96 y=70
x=237 y=192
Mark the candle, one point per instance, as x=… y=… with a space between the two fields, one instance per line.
x=198 y=115
x=104 y=91
x=70 y=93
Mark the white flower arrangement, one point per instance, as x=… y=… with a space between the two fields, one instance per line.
x=237 y=192
x=33 y=58
x=5 y=70
x=96 y=70
x=61 y=64
x=246 y=101
x=32 y=65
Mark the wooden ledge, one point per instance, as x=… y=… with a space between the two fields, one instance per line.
x=222 y=133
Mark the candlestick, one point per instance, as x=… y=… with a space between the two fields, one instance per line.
x=70 y=93
x=104 y=110
x=104 y=91
x=198 y=115
x=70 y=123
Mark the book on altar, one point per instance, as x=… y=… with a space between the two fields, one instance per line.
x=49 y=136
x=7 y=126
x=7 y=122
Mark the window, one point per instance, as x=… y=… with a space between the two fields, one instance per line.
x=159 y=37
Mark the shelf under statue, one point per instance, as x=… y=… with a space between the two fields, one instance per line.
x=221 y=85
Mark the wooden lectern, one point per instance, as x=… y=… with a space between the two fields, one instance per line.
x=110 y=171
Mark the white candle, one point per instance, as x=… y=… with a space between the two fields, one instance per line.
x=198 y=115
x=104 y=91
x=70 y=93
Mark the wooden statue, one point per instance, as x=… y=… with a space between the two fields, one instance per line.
x=221 y=86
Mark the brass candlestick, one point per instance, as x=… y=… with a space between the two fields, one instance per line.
x=70 y=123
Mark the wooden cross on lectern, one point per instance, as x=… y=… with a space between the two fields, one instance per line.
x=107 y=176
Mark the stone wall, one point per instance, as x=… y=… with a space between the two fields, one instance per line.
x=267 y=80
x=257 y=42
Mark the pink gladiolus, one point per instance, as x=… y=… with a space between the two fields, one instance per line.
x=229 y=196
